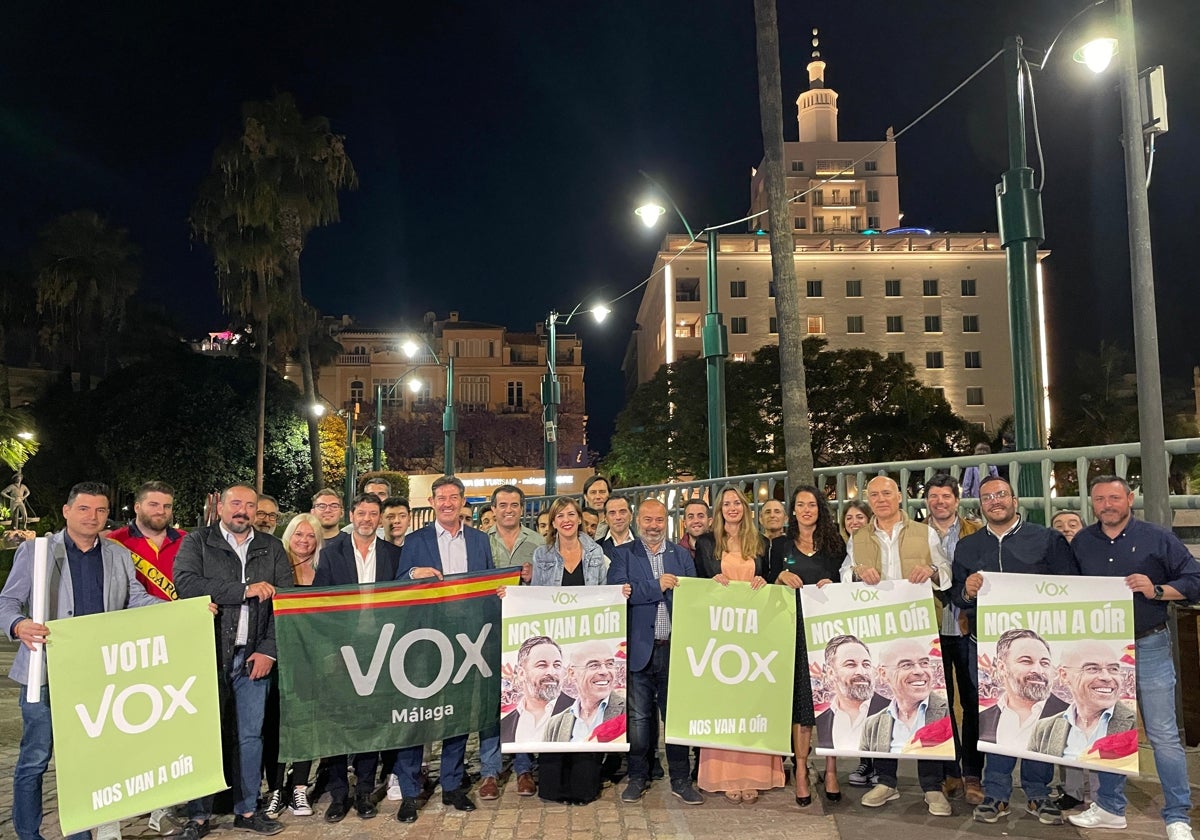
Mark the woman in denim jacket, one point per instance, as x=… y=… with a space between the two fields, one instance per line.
x=569 y=557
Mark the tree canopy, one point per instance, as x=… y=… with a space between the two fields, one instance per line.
x=862 y=407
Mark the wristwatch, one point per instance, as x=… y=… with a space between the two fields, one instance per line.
x=1158 y=593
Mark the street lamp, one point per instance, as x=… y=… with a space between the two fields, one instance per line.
x=713 y=336
x=449 y=420
x=414 y=386
x=552 y=394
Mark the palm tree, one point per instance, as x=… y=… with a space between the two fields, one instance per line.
x=796 y=434
x=85 y=271
x=280 y=180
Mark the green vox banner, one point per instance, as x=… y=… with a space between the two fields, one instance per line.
x=875 y=666
x=563 y=686
x=133 y=703
x=1057 y=670
x=386 y=665
x=733 y=654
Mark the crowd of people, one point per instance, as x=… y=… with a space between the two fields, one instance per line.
x=603 y=538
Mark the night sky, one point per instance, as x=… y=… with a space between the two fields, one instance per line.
x=498 y=144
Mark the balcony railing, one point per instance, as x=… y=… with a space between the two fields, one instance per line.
x=354 y=359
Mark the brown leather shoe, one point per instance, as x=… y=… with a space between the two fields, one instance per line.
x=526 y=786
x=489 y=789
x=952 y=787
x=974 y=790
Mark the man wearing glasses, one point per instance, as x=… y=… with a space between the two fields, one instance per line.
x=327 y=507
x=267 y=515
x=1092 y=670
x=1007 y=543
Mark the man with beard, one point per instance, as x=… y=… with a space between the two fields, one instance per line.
x=1157 y=568
x=356 y=558
x=1092 y=669
x=906 y=668
x=851 y=674
x=1007 y=543
x=512 y=543
x=1024 y=670
x=327 y=507
x=697 y=520
x=239 y=569
x=593 y=669
x=539 y=673
x=266 y=515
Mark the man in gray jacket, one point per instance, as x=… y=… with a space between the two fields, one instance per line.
x=85 y=575
x=239 y=569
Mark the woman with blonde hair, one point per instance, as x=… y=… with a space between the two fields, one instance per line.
x=302 y=541
x=735 y=551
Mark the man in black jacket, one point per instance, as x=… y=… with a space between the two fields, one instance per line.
x=1007 y=543
x=239 y=569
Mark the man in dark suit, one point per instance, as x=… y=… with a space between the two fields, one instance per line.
x=446 y=547
x=1024 y=671
x=357 y=557
x=651 y=567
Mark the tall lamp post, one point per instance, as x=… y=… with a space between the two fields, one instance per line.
x=713 y=336
x=552 y=393
x=414 y=385
x=449 y=418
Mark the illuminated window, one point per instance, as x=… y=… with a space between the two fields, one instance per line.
x=816 y=325
x=737 y=357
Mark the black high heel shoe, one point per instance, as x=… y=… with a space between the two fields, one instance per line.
x=831 y=795
x=805 y=801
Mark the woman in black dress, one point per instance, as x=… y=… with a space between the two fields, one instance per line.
x=811 y=552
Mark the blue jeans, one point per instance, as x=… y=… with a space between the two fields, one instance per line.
x=408 y=766
x=37 y=743
x=250 y=703
x=489 y=752
x=522 y=763
x=997 y=777
x=1156 y=698
x=647 y=699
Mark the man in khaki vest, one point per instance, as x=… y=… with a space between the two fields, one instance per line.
x=895 y=547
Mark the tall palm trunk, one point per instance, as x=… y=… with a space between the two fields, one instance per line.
x=293 y=240
x=797 y=436
x=310 y=399
x=260 y=444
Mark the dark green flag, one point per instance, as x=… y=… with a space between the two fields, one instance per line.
x=379 y=666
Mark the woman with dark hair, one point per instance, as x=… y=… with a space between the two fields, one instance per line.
x=735 y=551
x=811 y=552
x=857 y=514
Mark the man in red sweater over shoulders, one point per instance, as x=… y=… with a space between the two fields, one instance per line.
x=151 y=539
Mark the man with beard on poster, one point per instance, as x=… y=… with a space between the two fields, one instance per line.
x=539 y=673
x=1023 y=669
x=851 y=674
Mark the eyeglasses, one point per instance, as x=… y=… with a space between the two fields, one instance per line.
x=594 y=665
x=998 y=496
x=272 y=516
x=327 y=506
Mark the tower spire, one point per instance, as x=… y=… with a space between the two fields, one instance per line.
x=816 y=67
x=817 y=106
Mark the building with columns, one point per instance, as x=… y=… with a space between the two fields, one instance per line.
x=938 y=300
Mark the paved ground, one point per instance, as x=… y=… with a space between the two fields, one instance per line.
x=659 y=816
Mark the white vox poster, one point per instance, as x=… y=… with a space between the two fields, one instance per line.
x=874 y=659
x=562 y=670
x=733 y=655
x=1057 y=670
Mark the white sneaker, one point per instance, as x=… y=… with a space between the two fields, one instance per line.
x=109 y=831
x=162 y=822
x=393 y=785
x=1179 y=831
x=1097 y=817
x=300 y=806
x=938 y=804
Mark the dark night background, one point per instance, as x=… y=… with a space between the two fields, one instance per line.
x=498 y=144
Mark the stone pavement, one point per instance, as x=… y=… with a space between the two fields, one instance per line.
x=659 y=816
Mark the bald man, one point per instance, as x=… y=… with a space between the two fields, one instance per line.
x=652 y=567
x=1092 y=670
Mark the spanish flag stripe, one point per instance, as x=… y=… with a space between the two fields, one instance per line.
x=344 y=598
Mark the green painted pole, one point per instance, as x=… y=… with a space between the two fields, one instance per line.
x=551 y=396
x=715 y=343
x=377 y=437
x=449 y=419
x=351 y=460
x=1019 y=206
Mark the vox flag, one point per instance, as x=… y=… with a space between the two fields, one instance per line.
x=133 y=702
x=385 y=665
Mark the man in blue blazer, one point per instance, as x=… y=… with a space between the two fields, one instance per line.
x=653 y=567
x=445 y=547
x=349 y=558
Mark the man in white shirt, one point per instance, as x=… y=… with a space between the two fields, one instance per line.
x=850 y=672
x=1024 y=670
x=593 y=669
x=619 y=517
